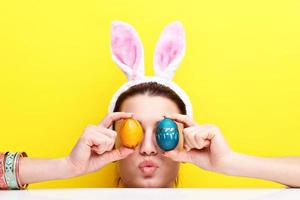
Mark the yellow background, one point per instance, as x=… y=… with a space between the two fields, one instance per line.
x=241 y=71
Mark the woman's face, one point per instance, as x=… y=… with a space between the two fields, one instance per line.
x=158 y=171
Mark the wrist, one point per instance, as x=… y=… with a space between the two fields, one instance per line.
x=228 y=163
x=67 y=168
x=73 y=170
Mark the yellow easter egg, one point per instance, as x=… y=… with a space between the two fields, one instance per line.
x=131 y=133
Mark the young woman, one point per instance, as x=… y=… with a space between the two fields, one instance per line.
x=201 y=145
x=148 y=100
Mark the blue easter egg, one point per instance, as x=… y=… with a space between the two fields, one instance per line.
x=167 y=135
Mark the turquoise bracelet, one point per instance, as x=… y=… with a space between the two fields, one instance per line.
x=10 y=170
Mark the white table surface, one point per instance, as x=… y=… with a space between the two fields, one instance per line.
x=145 y=194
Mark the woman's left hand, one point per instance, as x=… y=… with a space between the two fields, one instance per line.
x=204 y=145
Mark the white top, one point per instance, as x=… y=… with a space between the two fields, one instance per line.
x=145 y=194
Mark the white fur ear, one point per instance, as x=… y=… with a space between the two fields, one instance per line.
x=127 y=50
x=169 y=50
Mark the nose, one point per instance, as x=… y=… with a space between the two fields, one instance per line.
x=148 y=146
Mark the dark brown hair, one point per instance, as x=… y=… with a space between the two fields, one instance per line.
x=151 y=89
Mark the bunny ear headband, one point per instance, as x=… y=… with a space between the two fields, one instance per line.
x=127 y=52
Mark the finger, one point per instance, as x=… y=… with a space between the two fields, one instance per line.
x=199 y=141
x=186 y=120
x=100 y=130
x=191 y=138
x=115 y=155
x=108 y=132
x=189 y=129
x=187 y=147
x=111 y=134
x=96 y=150
x=101 y=141
x=98 y=137
x=179 y=156
x=206 y=143
x=206 y=132
x=107 y=145
x=204 y=136
x=187 y=133
x=111 y=146
x=188 y=144
x=110 y=118
x=200 y=135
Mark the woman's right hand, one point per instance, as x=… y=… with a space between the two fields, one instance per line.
x=94 y=149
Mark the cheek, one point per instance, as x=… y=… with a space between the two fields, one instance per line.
x=169 y=170
x=128 y=165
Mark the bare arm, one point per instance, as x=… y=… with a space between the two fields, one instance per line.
x=206 y=147
x=284 y=170
x=33 y=170
x=93 y=150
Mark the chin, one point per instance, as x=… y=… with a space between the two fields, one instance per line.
x=152 y=183
x=147 y=183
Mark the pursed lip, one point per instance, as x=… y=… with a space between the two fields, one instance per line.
x=148 y=167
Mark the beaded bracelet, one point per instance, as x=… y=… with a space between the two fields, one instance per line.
x=3 y=184
x=9 y=170
x=10 y=177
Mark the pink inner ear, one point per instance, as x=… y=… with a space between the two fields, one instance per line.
x=170 y=45
x=125 y=45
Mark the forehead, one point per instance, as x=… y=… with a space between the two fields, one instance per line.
x=149 y=108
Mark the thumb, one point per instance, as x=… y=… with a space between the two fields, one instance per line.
x=179 y=156
x=116 y=154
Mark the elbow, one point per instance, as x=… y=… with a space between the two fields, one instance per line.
x=291 y=186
